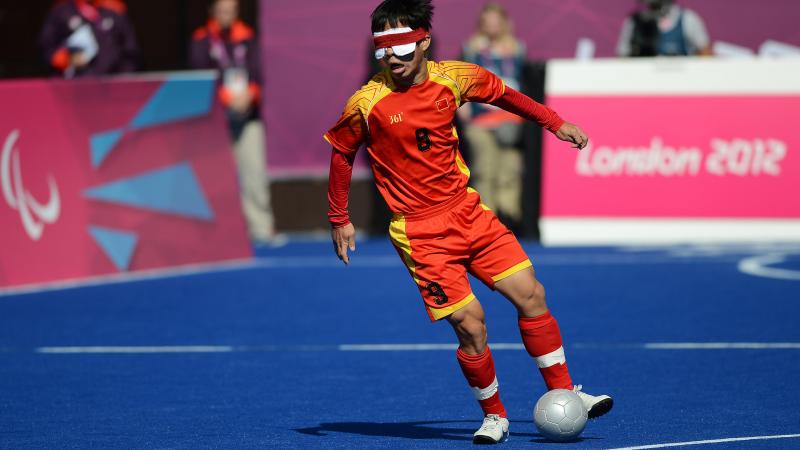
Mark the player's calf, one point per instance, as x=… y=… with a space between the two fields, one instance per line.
x=542 y=339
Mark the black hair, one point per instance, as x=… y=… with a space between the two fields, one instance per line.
x=212 y=3
x=411 y=13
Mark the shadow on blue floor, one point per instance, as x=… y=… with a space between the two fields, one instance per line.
x=417 y=430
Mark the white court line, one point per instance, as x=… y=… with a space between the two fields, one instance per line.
x=710 y=441
x=200 y=269
x=142 y=275
x=720 y=345
x=759 y=266
x=406 y=347
x=304 y=262
x=395 y=347
x=417 y=347
x=645 y=346
x=140 y=349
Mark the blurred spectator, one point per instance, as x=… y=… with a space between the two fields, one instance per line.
x=228 y=45
x=663 y=28
x=493 y=134
x=89 y=37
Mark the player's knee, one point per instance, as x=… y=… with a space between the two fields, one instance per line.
x=538 y=292
x=534 y=302
x=474 y=330
x=472 y=334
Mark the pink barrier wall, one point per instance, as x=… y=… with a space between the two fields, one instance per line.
x=700 y=156
x=315 y=52
x=101 y=177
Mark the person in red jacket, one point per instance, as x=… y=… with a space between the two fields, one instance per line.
x=440 y=229
x=228 y=45
x=89 y=37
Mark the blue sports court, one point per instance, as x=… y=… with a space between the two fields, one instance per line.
x=699 y=345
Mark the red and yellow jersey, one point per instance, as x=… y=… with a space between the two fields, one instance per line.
x=409 y=132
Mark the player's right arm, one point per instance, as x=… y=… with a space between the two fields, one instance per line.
x=345 y=137
x=343 y=234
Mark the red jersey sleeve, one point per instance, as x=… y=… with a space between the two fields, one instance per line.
x=339 y=188
x=350 y=131
x=528 y=108
x=475 y=83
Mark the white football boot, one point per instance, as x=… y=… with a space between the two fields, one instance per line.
x=493 y=431
x=595 y=405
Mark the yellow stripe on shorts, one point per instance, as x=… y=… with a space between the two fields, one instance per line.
x=483 y=205
x=447 y=310
x=397 y=233
x=507 y=273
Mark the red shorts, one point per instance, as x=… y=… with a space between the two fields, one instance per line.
x=440 y=246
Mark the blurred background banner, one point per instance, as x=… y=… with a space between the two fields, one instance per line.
x=323 y=49
x=716 y=144
x=113 y=175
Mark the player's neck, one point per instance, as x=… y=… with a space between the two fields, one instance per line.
x=419 y=77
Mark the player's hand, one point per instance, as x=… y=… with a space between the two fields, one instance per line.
x=344 y=238
x=570 y=132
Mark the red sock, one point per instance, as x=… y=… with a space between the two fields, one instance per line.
x=542 y=340
x=479 y=372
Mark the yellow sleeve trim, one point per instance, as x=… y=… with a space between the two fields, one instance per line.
x=462 y=166
x=447 y=310
x=505 y=274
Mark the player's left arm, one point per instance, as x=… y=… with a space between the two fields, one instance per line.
x=527 y=108
x=480 y=85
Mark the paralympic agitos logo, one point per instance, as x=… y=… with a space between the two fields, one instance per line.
x=34 y=215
